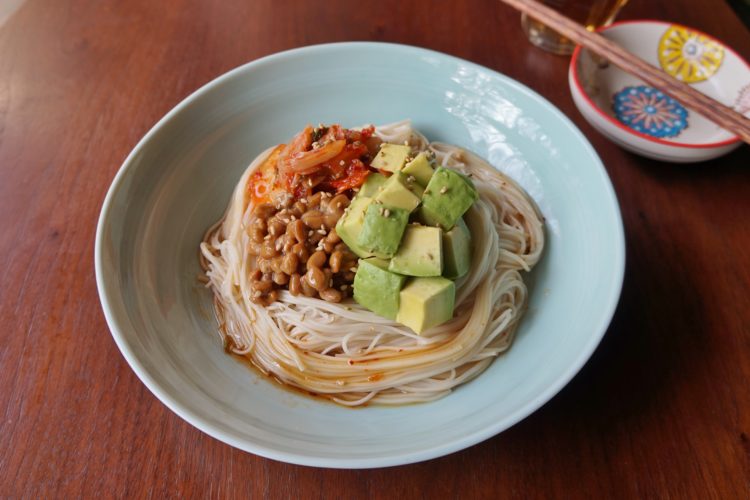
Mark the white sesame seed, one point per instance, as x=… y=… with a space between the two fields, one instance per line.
x=443 y=189
x=353 y=269
x=386 y=212
x=342 y=163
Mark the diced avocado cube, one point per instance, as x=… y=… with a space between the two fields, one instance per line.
x=391 y=157
x=420 y=168
x=382 y=230
x=396 y=192
x=446 y=198
x=372 y=184
x=420 y=253
x=415 y=188
x=426 y=302
x=381 y=263
x=350 y=224
x=457 y=251
x=377 y=289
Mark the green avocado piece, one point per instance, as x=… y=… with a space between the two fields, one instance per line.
x=372 y=184
x=382 y=230
x=446 y=198
x=420 y=168
x=391 y=157
x=377 y=289
x=420 y=253
x=426 y=302
x=350 y=224
x=457 y=251
x=381 y=263
x=396 y=192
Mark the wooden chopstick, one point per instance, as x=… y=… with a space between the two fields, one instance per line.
x=722 y=115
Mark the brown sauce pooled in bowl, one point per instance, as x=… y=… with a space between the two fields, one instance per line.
x=267 y=377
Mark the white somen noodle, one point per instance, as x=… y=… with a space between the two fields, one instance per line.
x=351 y=355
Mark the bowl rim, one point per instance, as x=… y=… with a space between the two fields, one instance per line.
x=576 y=81
x=114 y=320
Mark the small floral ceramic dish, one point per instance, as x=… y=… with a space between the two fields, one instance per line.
x=643 y=119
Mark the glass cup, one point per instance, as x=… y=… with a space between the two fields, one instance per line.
x=591 y=13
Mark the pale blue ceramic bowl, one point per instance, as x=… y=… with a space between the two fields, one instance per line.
x=177 y=182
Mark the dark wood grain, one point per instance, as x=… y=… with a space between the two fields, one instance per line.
x=662 y=410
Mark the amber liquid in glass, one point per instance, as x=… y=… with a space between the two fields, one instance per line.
x=591 y=13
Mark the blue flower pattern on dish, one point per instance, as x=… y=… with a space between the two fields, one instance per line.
x=650 y=111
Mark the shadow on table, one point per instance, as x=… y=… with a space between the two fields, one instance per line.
x=719 y=169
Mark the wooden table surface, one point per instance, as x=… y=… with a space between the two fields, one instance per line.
x=662 y=410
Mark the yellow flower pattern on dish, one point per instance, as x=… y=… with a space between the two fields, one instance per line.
x=689 y=56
